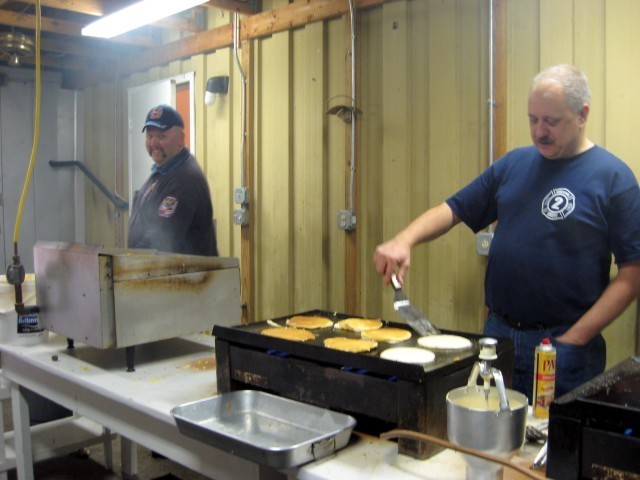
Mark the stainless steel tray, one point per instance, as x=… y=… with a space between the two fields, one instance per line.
x=264 y=428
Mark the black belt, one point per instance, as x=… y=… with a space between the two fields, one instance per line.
x=518 y=325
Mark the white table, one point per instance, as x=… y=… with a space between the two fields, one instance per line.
x=94 y=383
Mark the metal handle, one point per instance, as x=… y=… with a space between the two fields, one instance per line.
x=324 y=447
x=540 y=462
x=395 y=282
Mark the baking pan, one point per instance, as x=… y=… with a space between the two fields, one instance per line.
x=264 y=428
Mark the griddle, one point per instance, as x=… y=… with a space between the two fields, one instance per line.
x=381 y=394
x=594 y=430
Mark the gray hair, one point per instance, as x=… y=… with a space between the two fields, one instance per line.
x=574 y=84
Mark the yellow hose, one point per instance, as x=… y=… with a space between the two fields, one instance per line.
x=36 y=134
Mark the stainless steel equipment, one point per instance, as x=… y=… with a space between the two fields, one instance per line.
x=113 y=298
x=265 y=428
x=490 y=419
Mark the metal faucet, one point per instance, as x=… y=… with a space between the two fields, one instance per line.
x=486 y=371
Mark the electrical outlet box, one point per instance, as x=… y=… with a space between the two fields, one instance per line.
x=241 y=216
x=483 y=242
x=241 y=195
x=346 y=220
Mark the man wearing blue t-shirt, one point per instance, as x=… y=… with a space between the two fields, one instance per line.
x=563 y=207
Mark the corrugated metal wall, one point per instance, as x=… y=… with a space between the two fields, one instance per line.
x=598 y=36
x=423 y=72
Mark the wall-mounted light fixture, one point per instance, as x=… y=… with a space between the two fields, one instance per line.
x=216 y=86
x=344 y=112
x=136 y=15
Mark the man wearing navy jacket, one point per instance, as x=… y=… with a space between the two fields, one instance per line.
x=172 y=212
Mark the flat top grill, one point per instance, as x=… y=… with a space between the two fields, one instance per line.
x=445 y=360
x=381 y=394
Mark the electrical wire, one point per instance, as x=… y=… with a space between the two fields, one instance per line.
x=36 y=132
x=400 y=433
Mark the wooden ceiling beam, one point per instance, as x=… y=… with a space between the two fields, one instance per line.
x=55 y=63
x=190 y=23
x=260 y=25
x=103 y=7
x=88 y=7
x=97 y=8
x=195 y=20
x=22 y=20
x=76 y=48
x=232 y=6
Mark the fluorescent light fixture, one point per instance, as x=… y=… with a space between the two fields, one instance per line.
x=136 y=15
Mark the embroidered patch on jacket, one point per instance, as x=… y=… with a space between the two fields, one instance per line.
x=168 y=207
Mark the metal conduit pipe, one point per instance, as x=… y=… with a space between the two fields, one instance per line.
x=492 y=101
x=243 y=97
x=353 y=118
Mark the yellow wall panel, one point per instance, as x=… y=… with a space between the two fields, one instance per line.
x=423 y=73
x=396 y=147
x=590 y=42
x=522 y=64
x=370 y=171
x=309 y=169
x=217 y=158
x=623 y=107
x=556 y=32
x=337 y=58
x=274 y=176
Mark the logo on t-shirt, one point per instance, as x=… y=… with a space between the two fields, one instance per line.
x=558 y=204
x=168 y=207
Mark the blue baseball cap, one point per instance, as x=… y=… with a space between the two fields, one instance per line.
x=163 y=117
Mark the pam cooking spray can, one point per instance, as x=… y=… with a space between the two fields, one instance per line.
x=544 y=378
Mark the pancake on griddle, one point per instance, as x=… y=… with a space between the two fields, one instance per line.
x=445 y=342
x=359 y=324
x=387 y=334
x=354 y=345
x=289 y=333
x=309 y=322
x=415 y=355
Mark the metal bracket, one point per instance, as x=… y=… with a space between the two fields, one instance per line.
x=114 y=198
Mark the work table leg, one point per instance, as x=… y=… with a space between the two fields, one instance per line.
x=22 y=434
x=129 y=457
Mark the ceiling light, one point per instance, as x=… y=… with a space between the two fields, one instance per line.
x=16 y=46
x=136 y=15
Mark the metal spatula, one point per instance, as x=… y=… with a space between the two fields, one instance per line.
x=411 y=314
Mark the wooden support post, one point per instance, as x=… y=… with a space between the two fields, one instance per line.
x=351 y=263
x=247 y=248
